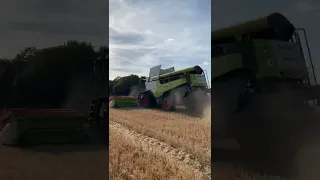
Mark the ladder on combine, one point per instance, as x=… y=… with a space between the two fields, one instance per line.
x=311 y=80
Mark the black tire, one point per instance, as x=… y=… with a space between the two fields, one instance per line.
x=147 y=100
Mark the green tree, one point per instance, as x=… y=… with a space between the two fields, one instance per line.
x=43 y=81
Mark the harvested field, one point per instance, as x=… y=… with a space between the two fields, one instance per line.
x=181 y=143
x=54 y=162
x=129 y=160
x=178 y=142
x=180 y=131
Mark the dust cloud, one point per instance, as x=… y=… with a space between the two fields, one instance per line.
x=134 y=90
x=203 y=102
x=207 y=113
x=81 y=91
x=307 y=161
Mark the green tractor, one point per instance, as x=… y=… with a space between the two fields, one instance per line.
x=167 y=89
x=262 y=86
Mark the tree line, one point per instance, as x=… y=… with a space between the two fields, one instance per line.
x=126 y=85
x=62 y=76
x=53 y=77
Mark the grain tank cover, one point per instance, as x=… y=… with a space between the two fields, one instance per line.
x=192 y=70
x=274 y=26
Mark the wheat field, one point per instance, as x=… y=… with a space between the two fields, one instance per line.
x=153 y=144
x=54 y=163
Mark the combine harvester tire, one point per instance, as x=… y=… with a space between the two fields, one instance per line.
x=122 y=101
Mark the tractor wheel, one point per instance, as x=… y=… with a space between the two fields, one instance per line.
x=147 y=101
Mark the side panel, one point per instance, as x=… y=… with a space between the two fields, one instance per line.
x=162 y=88
x=224 y=64
x=265 y=60
x=289 y=59
x=279 y=59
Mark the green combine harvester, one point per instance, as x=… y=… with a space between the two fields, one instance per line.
x=166 y=89
x=261 y=86
x=24 y=127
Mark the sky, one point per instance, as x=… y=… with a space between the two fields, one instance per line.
x=44 y=23
x=302 y=13
x=147 y=33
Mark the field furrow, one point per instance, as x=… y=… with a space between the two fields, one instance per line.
x=181 y=159
x=180 y=131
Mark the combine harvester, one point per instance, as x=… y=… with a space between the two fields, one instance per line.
x=261 y=82
x=23 y=127
x=166 y=89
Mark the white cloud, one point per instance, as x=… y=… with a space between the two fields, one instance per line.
x=305 y=6
x=206 y=63
x=143 y=34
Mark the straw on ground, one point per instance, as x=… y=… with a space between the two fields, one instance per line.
x=178 y=130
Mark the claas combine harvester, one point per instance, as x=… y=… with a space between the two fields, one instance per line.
x=166 y=89
x=264 y=90
x=23 y=127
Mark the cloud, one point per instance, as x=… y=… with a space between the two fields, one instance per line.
x=45 y=23
x=144 y=34
x=305 y=6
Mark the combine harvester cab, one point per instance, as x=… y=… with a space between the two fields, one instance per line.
x=23 y=127
x=261 y=81
x=166 y=89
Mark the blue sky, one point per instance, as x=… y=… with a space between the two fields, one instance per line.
x=302 y=13
x=146 y=33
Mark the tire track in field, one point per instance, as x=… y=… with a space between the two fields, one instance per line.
x=184 y=160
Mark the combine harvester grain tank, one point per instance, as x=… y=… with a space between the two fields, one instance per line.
x=261 y=82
